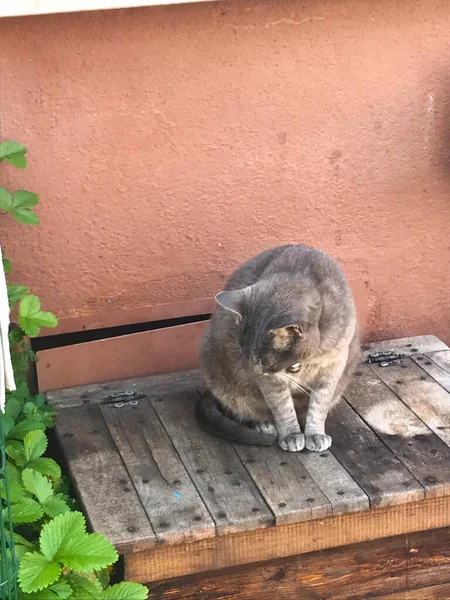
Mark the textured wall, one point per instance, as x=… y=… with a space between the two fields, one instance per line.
x=169 y=144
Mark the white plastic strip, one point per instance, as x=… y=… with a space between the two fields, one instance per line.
x=17 y=8
x=6 y=369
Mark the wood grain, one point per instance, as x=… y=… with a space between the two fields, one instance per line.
x=425 y=455
x=172 y=503
x=413 y=345
x=285 y=484
x=225 y=486
x=339 y=487
x=433 y=592
x=356 y=572
x=422 y=394
x=434 y=369
x=372 y=465
x=103 y=484
x=144 y=387
x=441 y=358
x=286 y=540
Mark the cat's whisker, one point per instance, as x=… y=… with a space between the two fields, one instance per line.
x=298 y=384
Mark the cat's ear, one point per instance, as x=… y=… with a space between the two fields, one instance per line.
x=232 y=301
x=283 y=337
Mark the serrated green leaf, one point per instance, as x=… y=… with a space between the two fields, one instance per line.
x=35 y=444
x=36 y=572
x=7 y=265
x=16 y=493
x=20 y=552
x=22 y=391
x=26 y=511
x=8 y=425
x=39 y=400
x=19 y=431
x=18 y=160
x=56 y=534
x=5 y=200
x=84 y=588
x=16 y=293
x=15 y=336
x=89 y=553
x=24 y=199
x=46 y=466
x=19 y=540
x=14 y=153
x=38 y=485
x=15 y=451
x=26 y=216
x=13 y=408
x=125 y=591
x=31 y=318
x=20 y=361
x=55 y=506
x=60 y=590
x=29 y=306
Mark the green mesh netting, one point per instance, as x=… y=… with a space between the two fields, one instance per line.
x=8 y=561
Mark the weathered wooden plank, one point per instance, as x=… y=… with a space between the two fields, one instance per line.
x=109 y=498
x=141 y=387
x=371 y=464
x=165 y=489
x=391 y=566
x=424 y=396
x=339 y=487
x=441 y=358
x=425 y=455
x=285 y=484
x=433 y=592
x=439 y=374
x=225 y=486
x=286 y=540
x=413 y=345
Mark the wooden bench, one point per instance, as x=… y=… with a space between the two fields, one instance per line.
x=198 y=517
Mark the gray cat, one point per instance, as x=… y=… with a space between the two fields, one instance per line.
x=285 y=329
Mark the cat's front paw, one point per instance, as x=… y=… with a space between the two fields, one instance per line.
x=294 y=442
x=318 y=442
x=266 y=427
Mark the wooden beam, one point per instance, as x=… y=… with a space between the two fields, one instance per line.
x=286 y=540
x=396 y=568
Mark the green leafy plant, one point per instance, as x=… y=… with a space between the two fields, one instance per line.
x=59 y=559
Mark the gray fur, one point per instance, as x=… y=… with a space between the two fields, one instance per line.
x=289 y=306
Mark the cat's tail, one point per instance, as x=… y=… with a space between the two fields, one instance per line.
x=213 y=420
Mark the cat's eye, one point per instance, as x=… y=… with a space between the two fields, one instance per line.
x=294 y=368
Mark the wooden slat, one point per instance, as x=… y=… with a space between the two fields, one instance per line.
x=285 y=484
x=286 y=540
x=151 y=352
x=166 y=491
x=150 y=387
x=425 y=455
x=109 y=498
x=225 y=486
x=433 y=592
x=421 y=393
x=366 y=570
x=434 y=369
x=413 y=345
x=371 y=464
x=339 y=487
x=442 y=359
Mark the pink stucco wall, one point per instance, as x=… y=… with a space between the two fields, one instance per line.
x=169 y=144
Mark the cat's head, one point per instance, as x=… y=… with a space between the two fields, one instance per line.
x=276 y=330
